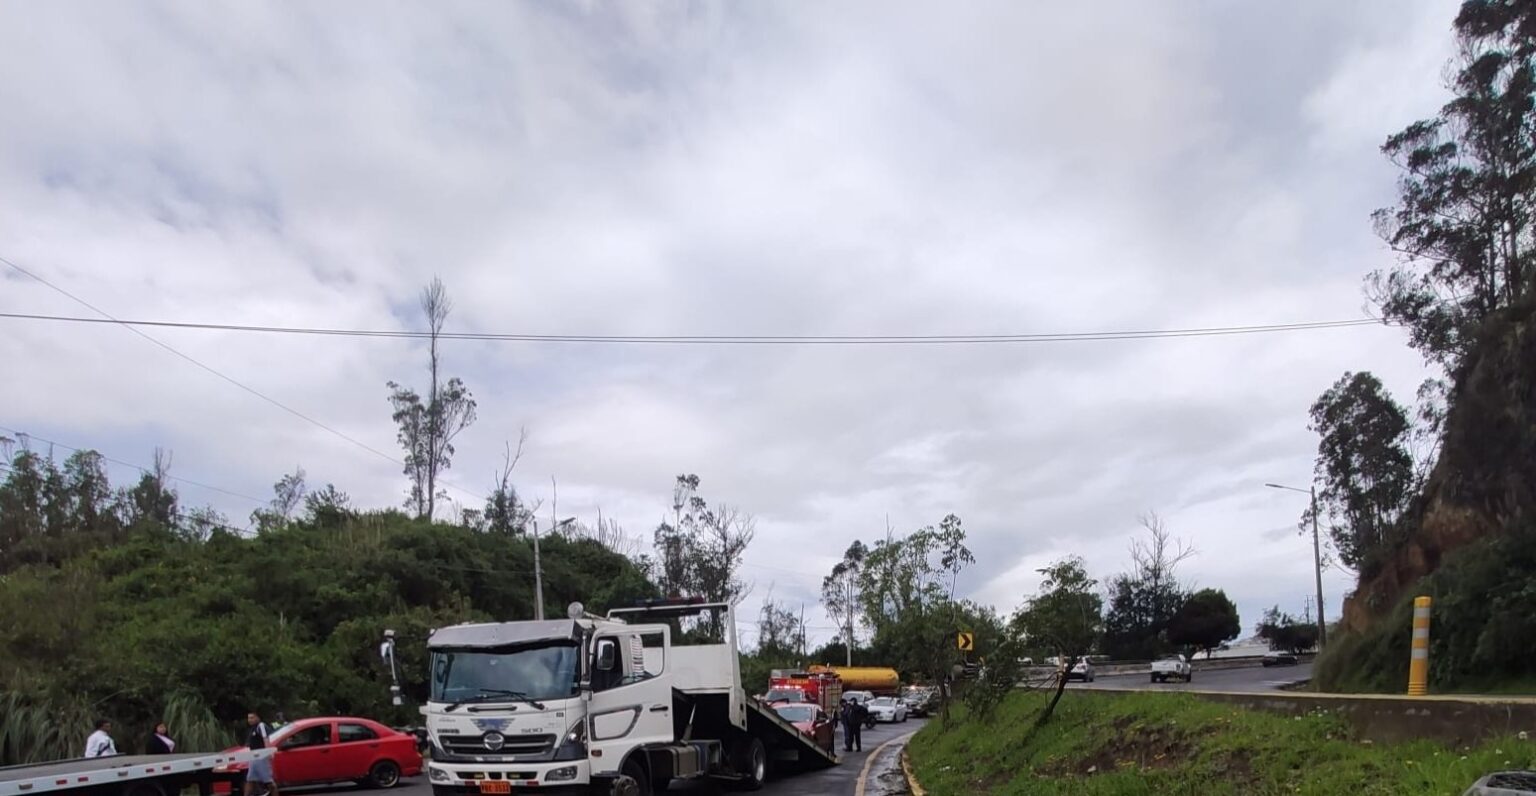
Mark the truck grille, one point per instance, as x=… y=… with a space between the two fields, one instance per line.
x=484 y=747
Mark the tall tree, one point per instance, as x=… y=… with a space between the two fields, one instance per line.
x=778 y=633
x=840 y=594
x=427 y=428
x=1144 y=600
x=1463 y=223
x=22 y=501
x=1364 y=465
x=1063 y=618
x=152 y=501
x=287 y=494
x=1205 y=621
x=504 y=513
x=906 y=589
x=700 y=552
x=89 y=494
x=1284 y=632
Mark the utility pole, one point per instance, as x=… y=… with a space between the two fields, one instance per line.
x=803 y=650
x=538 y=565
x=1317 y=560
x=538 y=576
x=1317 y=569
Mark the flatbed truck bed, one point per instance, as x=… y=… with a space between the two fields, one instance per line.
x=124 y=775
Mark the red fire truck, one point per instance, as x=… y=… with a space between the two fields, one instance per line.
x=797 y=685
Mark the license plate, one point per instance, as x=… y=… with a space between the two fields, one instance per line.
x=495 y=786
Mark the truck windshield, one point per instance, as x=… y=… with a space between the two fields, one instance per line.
x=488 y=675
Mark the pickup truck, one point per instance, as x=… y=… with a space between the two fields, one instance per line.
x=1171 y=667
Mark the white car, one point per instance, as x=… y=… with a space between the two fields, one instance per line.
x=888 y=709
x=858 y=697
x=1172 y=667
x=1082 y=670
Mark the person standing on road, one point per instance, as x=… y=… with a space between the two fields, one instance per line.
x=160 y=742
x=260 y=771
x=100 y=743
x=853 y=740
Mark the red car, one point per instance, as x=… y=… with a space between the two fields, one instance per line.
x=810 y=719
x=340 y=749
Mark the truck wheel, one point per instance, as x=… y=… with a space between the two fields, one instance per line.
x=1189 y=677
x=147 y=788
x=384 y=774
x=751 y=761
x=1154 y=678
x=632 y=780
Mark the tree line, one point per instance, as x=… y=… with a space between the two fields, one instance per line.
x=1401 y=488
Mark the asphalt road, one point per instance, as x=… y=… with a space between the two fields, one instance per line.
x=1247 y=680
x=885 y=777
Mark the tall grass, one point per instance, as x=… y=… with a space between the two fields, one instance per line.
x=192 y=725
x=38 y=729
x=33 y=730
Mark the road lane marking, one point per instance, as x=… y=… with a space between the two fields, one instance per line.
x=858 y=789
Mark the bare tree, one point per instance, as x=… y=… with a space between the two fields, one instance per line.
x=1156 y=558
x=427 y=428
x=606 y=532
x=504 y=512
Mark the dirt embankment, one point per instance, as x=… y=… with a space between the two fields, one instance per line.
x=1484 y=482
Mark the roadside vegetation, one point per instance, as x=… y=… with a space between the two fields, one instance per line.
x=1157 y=743
x=197 y=625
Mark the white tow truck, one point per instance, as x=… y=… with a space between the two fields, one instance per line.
x=125 y=775
x=622 y=705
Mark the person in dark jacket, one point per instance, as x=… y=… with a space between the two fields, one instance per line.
x=160 y=742
x=853 y=726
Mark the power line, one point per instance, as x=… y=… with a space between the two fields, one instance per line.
x=954 y=339
x=144 y=470
x=109 y=318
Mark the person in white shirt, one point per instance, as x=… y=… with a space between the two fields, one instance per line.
x=100 y=743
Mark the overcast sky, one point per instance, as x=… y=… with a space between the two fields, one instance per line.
x=728 y=168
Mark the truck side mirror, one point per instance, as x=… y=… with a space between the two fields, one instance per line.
x=607 y=655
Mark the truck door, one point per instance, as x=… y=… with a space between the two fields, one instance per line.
x=631 y=693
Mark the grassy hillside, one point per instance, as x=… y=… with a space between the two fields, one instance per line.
x=1158 y=743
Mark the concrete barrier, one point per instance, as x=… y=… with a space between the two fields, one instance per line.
x=1145 y=667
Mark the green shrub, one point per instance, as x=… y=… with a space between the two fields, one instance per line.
x=1482 y=620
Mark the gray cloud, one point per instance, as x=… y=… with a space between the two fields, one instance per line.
x=729 y=168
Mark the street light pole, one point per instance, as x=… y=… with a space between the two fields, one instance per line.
x=1317 y=560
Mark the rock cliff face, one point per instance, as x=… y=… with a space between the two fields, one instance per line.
x=1485 y=480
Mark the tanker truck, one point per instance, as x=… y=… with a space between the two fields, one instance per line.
x=878 y=680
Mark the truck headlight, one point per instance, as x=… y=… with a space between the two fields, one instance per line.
x=574 y=745
x=562 y=774
x=437 y=774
